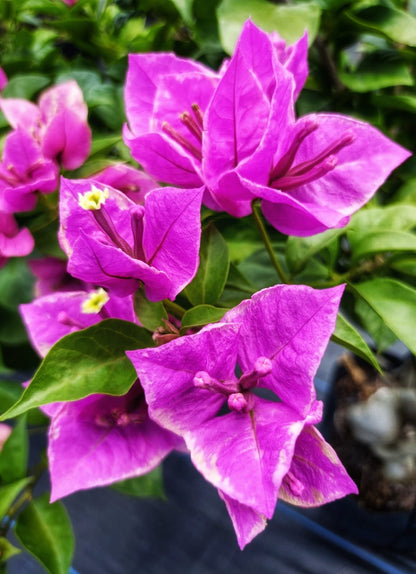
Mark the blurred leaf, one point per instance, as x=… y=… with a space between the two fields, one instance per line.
x=25 y=86
x=150 y=314
x=16 y=283
x=148 y=485
x=12 y=330
x=395 y=303
x=7 y=550
x=406 y=193
x=290 y=20
x=45 y=531
x=201 y=315
x=378 y=69
x=347 y=336
x=406 y=265
x=13 y=455
x=9 y=492
x=184 y=8
x=405 y=102
x=299 y=250
x=398 y=25
x=85 y=362
x=104 y=143
x=208 y=283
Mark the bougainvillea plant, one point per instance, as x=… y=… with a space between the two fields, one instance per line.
x=186 y=304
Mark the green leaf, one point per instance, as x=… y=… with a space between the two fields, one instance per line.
x=290 y=20
x=379 y=69
x=397 y=217
x=258 y=269
x=383 y=241
x=201 y=315
x=25 y=86
x=398 y=25
x=406 y=265
x=347 y=336
x=83 y=363
x=45 y=531
x=148 y=485
x=9 y=492
x=103 y=143
x=7 y=550
x=395 y=303
x=374 y=325
x=208 y=283
x=16 y=283
x=407 y=193
x=12 y=330
x=299 y=250
x=13 y=455
x=184 y=8
x=382 y=229
x=150 y=314
x=403 y=102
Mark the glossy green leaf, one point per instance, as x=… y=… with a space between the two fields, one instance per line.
x=379 y=69
x=9 y=492
x=83 y=363
x=208 y=283
x=45 y=530
x=7 y=550
x=299 y=250
x=13 y=455
x=348 y=336
x=374 y=325
x=149 y=485
x=201 y=315
x=290 y=20
x=150 y=314
x=398 y=25
x=382 y=241
x=395 y=303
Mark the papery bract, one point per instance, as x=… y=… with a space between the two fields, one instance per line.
x=311 y=173
x=58 y=123
x=14 y=242
x=120 y=245
x=115 y=439
x=168 y=98
x=277 y=340
x=23 y=172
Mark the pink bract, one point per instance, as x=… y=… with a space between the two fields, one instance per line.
x=244 y=444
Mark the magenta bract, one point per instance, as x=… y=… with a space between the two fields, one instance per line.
x=248 y=451
x=58 y=123
x=120 y=245
x=14 y=242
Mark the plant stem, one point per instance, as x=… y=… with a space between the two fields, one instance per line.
x=266 y=240
x=174 y=308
